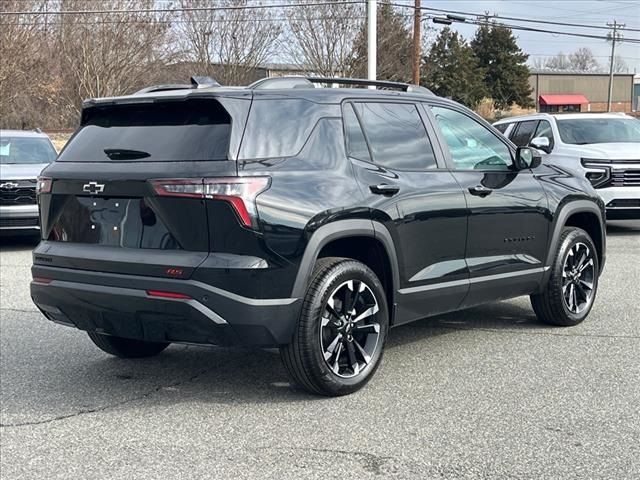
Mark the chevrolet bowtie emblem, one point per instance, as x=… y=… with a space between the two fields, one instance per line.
x=93 y=187
x=8 y=185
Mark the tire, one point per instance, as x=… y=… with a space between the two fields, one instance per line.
x=567 y=299
x=360 y=333
x=126 y=347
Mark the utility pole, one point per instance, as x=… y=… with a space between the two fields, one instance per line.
x=416 y=42
x=372 y=50
x=614 y=38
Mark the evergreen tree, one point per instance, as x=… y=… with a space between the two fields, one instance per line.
x=395 y=48
x=506 y=73
x=450 y=69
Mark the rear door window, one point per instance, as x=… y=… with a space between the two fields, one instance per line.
x=189 y=130
x=396 y=136
x=523 y=132
x=502 y=127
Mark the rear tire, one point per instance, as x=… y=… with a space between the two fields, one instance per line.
x=339 y=339
x=569 y=295
x=126 y=347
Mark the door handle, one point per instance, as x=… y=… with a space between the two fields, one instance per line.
x=384 y=189
x=480 y=191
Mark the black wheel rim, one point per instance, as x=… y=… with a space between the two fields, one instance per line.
x=349 y=330
x=578 y=278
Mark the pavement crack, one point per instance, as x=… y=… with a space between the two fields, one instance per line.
x=109 y=406
x=372 y=462
x=20 y=310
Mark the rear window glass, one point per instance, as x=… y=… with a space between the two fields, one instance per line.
x=191 y=130
x=26 y=150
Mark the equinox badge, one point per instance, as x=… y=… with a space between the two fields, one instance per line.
x=93 y=187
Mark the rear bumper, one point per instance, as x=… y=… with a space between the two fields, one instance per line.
x=120 y=305
x=19 y=219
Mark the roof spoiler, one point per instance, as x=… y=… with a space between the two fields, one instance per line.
x=195 y=82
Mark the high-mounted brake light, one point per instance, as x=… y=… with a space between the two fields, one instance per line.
x=239 y=192
x=44 y=185
x=170 y=295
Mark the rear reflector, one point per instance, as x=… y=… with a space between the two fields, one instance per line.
x=239 y=192
x=41 y=280
x=172 y=295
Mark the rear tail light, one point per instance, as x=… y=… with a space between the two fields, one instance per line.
x=239 y=192
x=43 y=185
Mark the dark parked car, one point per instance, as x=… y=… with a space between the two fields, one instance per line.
x=308 y=218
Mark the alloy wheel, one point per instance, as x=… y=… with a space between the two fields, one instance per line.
x=349 y=332
x=578 y=278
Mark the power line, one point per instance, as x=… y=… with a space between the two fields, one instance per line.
x=528 y=20
x=521 y=27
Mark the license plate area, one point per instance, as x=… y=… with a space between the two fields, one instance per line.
x=116 y=222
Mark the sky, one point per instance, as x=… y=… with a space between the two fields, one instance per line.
x=593 y=12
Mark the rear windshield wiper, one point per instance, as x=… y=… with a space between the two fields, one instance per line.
x=125 y=154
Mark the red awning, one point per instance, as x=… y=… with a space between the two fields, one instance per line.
x=563 y=99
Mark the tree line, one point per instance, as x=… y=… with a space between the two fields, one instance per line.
x=582 y=60
x=51 y=62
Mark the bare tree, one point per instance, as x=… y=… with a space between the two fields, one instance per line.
x=103 y=54
x=228 y=44
x=320 y=38
x=583 y=60
x=21 y=41
x=619 y=65
x=558 y=62
x=395 y=46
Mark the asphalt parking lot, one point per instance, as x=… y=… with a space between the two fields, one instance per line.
x=484 y=393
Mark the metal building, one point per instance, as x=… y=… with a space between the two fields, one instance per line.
x=580 y=92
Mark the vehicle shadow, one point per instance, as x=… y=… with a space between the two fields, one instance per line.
x=18 y=242
x=235 y=375
x=88 y=381
x=623 y=228
x=492 y=316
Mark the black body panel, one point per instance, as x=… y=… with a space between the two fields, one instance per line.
x=443 y=247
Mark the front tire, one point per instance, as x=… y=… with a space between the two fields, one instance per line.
x=569 y=295
x=340 y=336
x=126 y=347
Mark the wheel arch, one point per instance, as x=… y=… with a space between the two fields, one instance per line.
x=583 y=214
x=363 y=240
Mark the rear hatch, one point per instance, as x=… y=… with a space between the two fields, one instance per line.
x=128 y=187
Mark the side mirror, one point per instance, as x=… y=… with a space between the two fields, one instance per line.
x=541 y=143
x=526 y=158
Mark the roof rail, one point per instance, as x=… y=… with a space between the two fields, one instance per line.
x=405 y=87
x=290 y=81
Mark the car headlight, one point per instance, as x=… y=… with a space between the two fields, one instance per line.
x=598 y=173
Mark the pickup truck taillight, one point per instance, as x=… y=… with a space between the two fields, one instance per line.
x=239 y=192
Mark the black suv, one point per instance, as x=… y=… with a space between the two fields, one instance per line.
x=294 y=215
